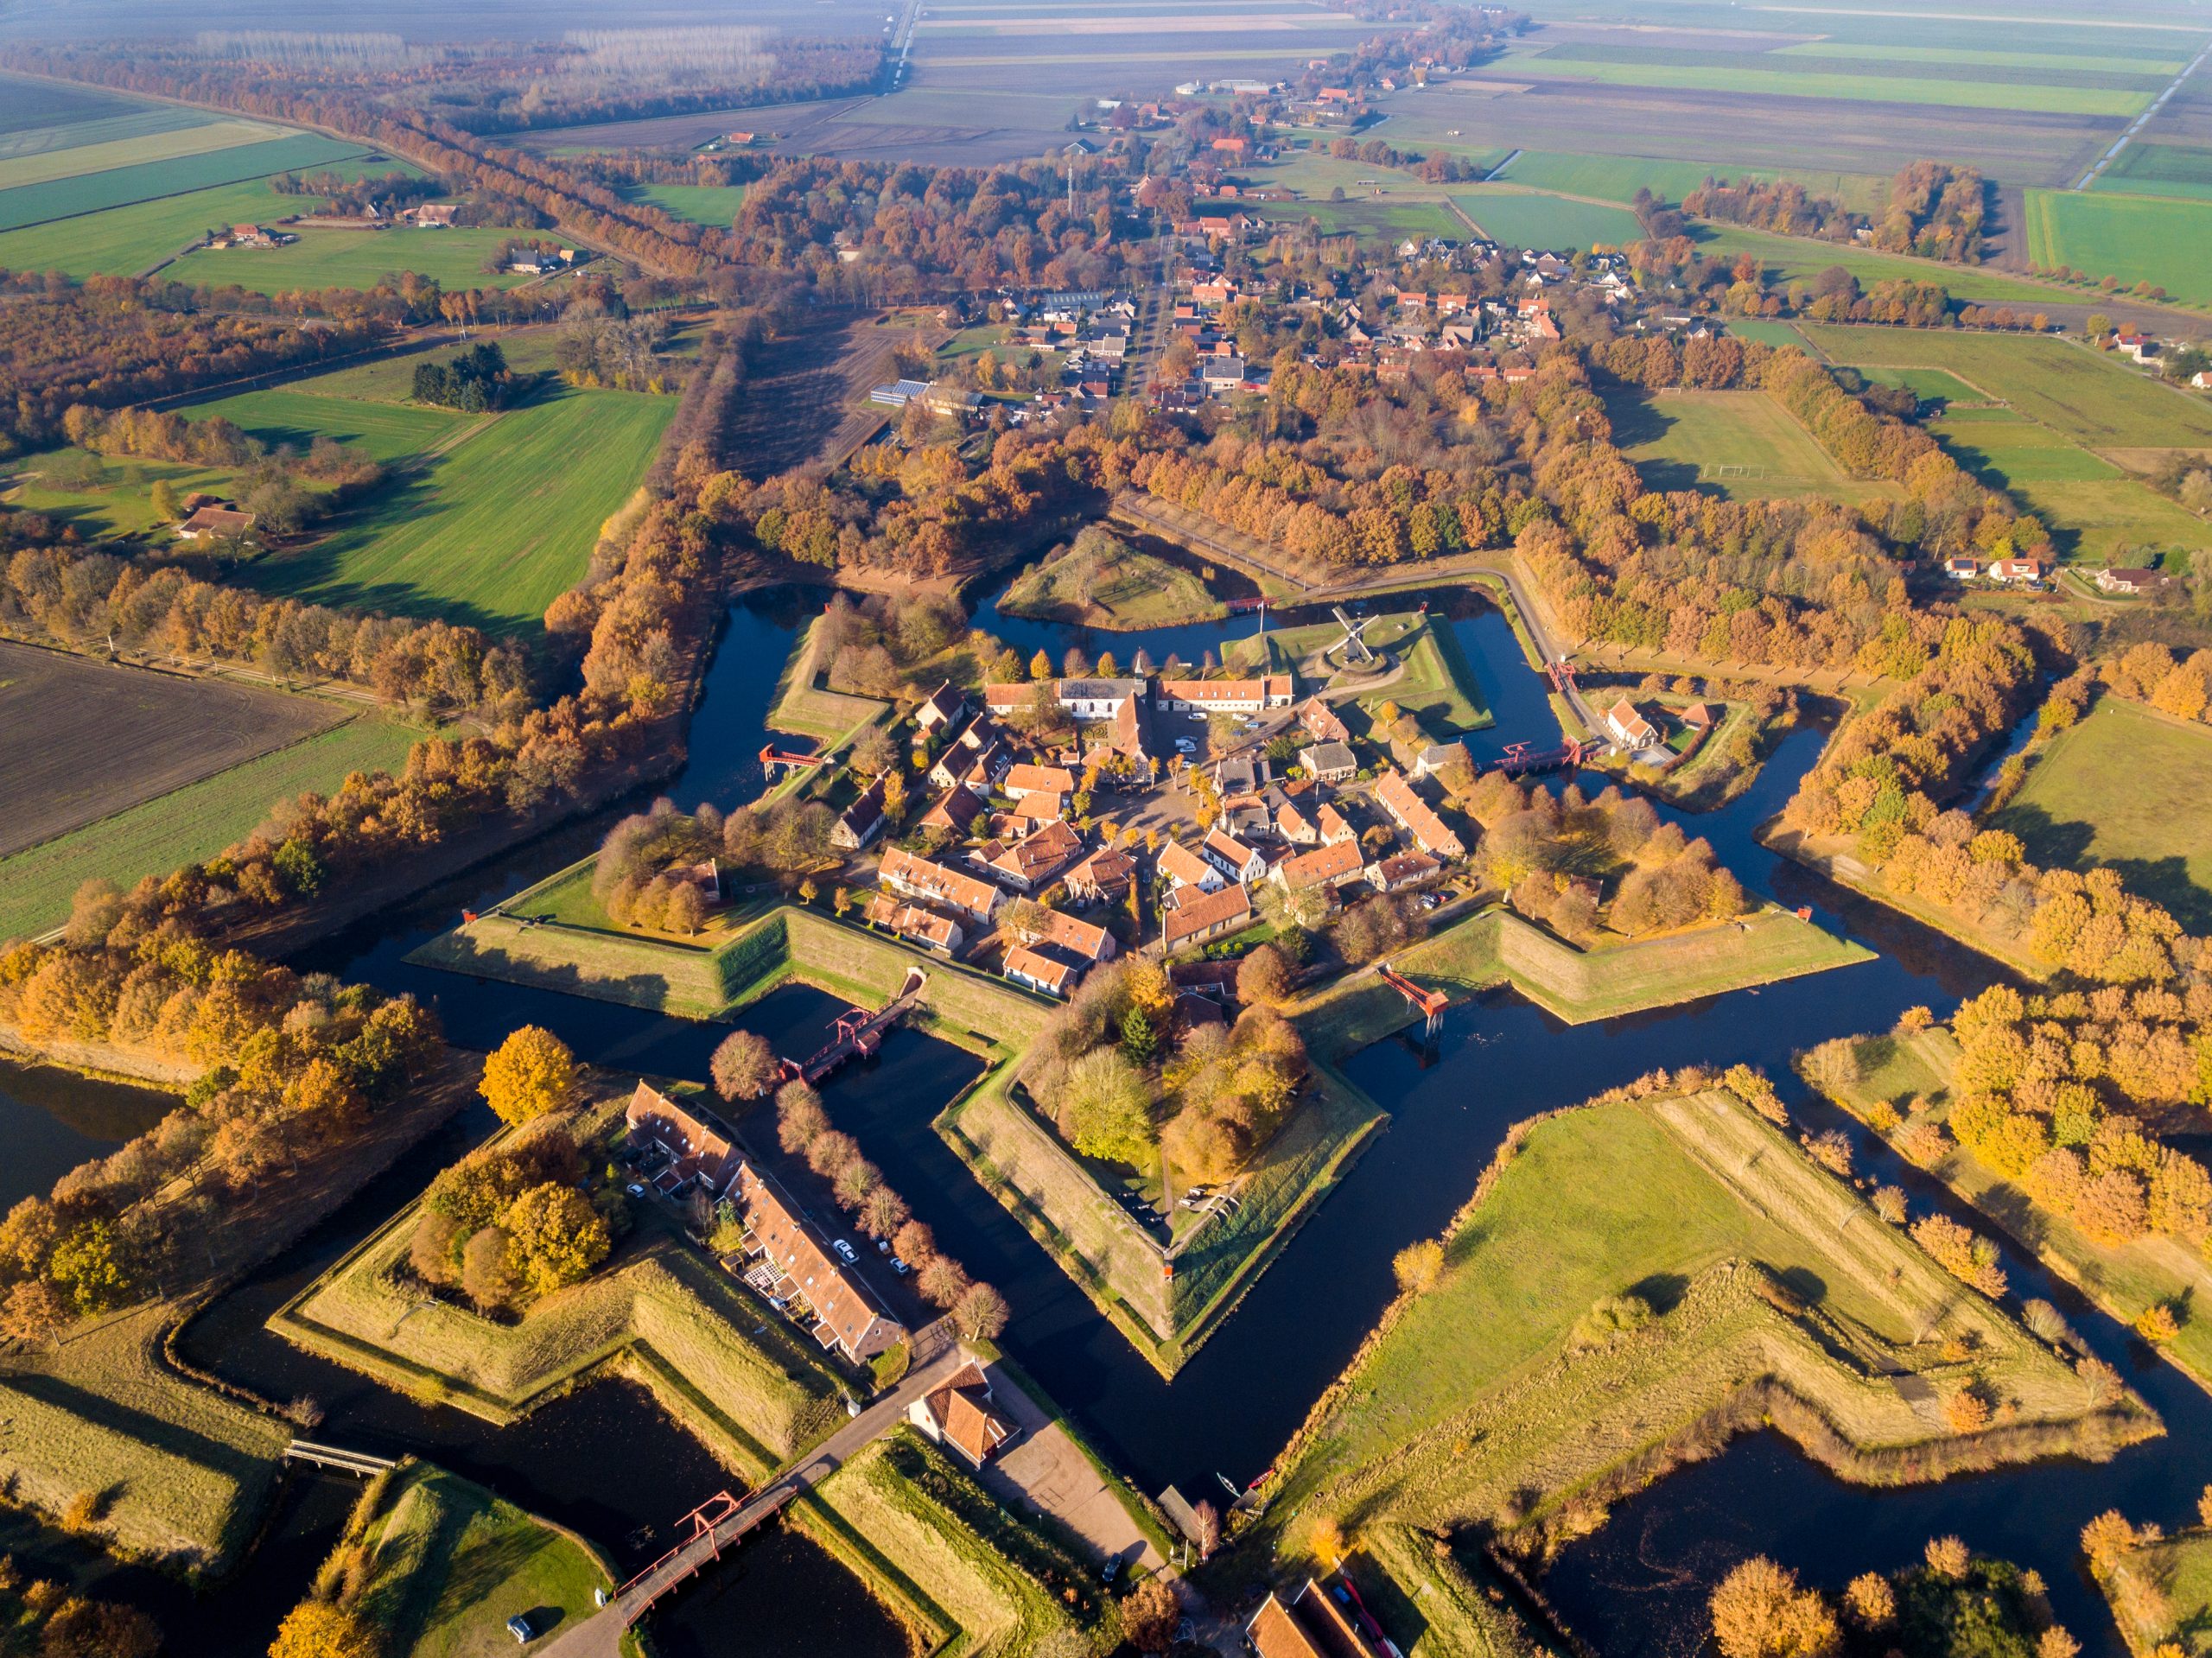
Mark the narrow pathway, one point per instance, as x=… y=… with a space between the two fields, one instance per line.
x=2140 y=122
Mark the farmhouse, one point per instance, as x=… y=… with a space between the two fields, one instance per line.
x=1307 y=1625
x=1331 y=762
x=1417 y=817
x=216 y=522
x=431 y=215
x=696 y=1145
x=798 y=1269
x=958 y=1413
x=1629 y=729
x=1406 y=870
x=1197 y=919
x=2112 y=581
x=911 y=921
x=1962 y=567
x=918 y=878
x=2025 y=572
x=860 y=822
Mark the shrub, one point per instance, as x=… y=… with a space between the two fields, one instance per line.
x=1947 y=1558
x=1870 y=1602
x=1150 y=1614
x=1965 y=1412
x=2158 y=1325
x=1418 y=1266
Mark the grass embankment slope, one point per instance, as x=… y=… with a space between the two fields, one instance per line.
x=2127 y=787
x=188 y=824
x=657 y=1313
x=1116 y=587
x=961 y=1574
x=1434 y=683
x=2126 y=1281
x=1498 y=947
x=447 y=1564
x=498 y=527
x=1492 y=1397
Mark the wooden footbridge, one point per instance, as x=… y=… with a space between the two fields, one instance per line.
x=334 y=1457
x=858 y=1033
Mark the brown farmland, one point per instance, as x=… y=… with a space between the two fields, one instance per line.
x=80 y=739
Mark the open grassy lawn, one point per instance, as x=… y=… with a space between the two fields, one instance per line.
x=2098 y=400
x=1731 y=73
x=187 y=824
x=1741 y=444
x=113 y=496
x=1791 y=259
x=1115 y=587
x=122 y=241
x=1930 y=384
x=703 y=204
x=1618 y=178
x=2165 y=242
x=2124 y=1282
x=504 y=521
x=2154 y=169
x=336 y=259
x=2180 y=1568
x=1504 y=1377
x=2125 y=787
x=1767 y=331
x=290 y=414
x=2098 y=513
x=264 y=151
x=450 y=1564
x=1374 y=217
x=1531 y=219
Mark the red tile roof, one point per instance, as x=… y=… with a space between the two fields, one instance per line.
x=1204 y=916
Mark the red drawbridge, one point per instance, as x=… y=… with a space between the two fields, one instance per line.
x=857 y=1032
x=1520 y=760
x=772 y=757
x=1430 y=1004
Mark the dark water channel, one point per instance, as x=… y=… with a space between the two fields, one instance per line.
x=607 y=1461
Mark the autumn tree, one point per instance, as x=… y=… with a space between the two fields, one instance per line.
x=1418 y=1266
x=1263 y=976
x=1150 y=1615
x=1758 y=1611
x=979 y=1314
x=558 y=1237
x=316 y=1629
x=528 y=1074
x=745 y=1067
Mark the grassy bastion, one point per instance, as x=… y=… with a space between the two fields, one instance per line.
x=2125 y=1282
x=1519 y=1390
x=659 y=1312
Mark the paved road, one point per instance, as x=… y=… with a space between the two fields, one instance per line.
x=600 y=1635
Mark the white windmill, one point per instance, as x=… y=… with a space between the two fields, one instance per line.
x=1353 y=646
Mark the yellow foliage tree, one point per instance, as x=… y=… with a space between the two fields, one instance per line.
x=316 y=1629
x=528 y=1074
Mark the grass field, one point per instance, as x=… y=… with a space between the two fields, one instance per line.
x=2180 y=1569
x=1519 y=217
x=2098 y=400
x=1117 y=587
x=63 y=197
x=501 y=524
x=300 y=413
x=76 y=160
x=2158 y=170
x=2161 y=241
x=115 y=498
x=703 y=204
x=2124 y=1282
x=2098 y=513
x=1767 y=331
x=1741 y=444
x=450 y=1564
x=1373 y=217
x=1790 y=258
x=122 y=241
x=2016 y=92
x=1929 y=384
x=1618 y=178
x=42 y=115
x=187 y=824
x=332 y=258
x=2125 y=788
x=1756 y=1268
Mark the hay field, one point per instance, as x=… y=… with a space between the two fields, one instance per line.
x=75 y=160
x=1741 y=444
x=497 y=529
x=337 y=259
x=2165 y=242
x=80 y=738
x=1769 y=1280
x=2125 y=787
x=2098 y=513
x=64 y=196
x=188 y=824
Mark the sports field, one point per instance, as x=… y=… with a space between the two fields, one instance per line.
x=332 y=258
x=1618 y=178
x=503 y=522
x=123 y=241
x=2098 y=400
x=1741 y=444
x=2137 y=239
x=2125 y=787
x=299 y=413
x=1531 y=219
x=187 y=824
x=703 y=204
x=1790 y=258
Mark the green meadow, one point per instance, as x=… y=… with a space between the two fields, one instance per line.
x=336 y=259
x=1728 y=75
x=1742 y=444
x=703 y=204
x=69 y=197
x=1618 y=178
x=2135 y=238
x=2153 y=169
x=500 y=525
x=1790 y=258
x=1531 y=219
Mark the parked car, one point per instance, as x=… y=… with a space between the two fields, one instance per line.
x=522 y=1628
x=1186 y=745
x=899 y=1267
x=846 y=1253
